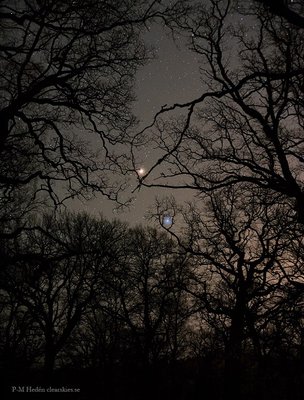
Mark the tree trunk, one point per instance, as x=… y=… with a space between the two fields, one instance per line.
x=234 y=374
x=49 y=362
x=49 y=355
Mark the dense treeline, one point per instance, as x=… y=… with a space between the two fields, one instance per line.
x=135 y=310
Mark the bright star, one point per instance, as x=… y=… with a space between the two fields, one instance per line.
x=141 y=171
x=167 y=220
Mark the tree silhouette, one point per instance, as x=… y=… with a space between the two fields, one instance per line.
x=242 y=249
x=246 y=127
x=290 y=10
x=67 y=79
x=57 y=282
x=146 y=284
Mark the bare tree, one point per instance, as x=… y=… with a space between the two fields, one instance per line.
x=67 y=73
x=57 y=281
x=291 y=10
x=247 y=125
x=20 y=342
x=147 y=285
x=241 y=243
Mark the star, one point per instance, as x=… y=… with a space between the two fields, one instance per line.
x=167 y=220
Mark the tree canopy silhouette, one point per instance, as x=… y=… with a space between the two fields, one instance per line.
x=287 y=10
x=246 y=127
x=67 y=74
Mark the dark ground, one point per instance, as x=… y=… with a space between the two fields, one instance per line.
x=187 y=380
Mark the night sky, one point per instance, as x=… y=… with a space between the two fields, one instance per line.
x=173 y=76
